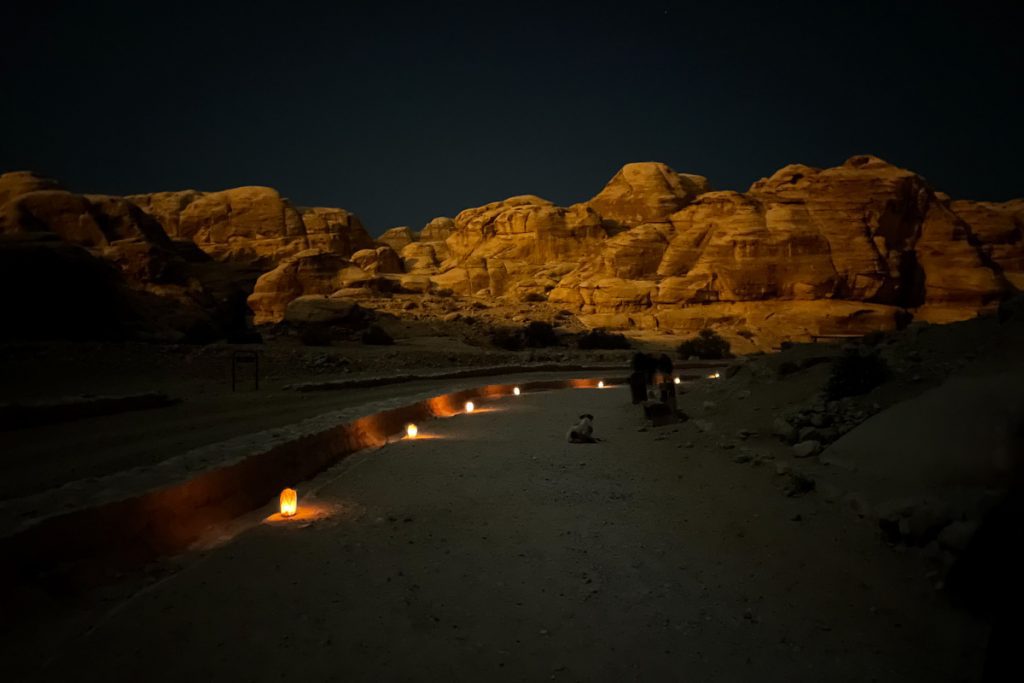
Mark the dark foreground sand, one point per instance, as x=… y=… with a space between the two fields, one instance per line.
x=497 y=551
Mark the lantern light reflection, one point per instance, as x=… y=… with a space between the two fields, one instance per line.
x=516 y=391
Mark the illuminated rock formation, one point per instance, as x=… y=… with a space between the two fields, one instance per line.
x=648 y=192
x=253 y=225
x=308 y=272
x=818 y=252
x=142 y=284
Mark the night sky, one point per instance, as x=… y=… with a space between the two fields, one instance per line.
x=401 y=113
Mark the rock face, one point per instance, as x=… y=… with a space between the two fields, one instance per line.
x=22 y=182
x=379 y=260
x=999 y=230
x=397 y=238
x=520 y=245
x=803 y=253
x=166 y=207
x=308 y=272
x=437 y=230
x=109 y=227
x=140 y=284
x=253 y=225
x=335 y=230
x=246 y=224
x=647 y=192
x=864 y=237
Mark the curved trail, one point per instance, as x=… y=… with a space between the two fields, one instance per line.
x=497 y=551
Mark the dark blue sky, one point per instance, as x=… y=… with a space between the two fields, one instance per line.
x=401 y=112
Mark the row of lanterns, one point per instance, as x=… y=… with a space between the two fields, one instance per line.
x=289 y=500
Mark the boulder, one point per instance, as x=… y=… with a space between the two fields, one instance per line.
x=784 y=430
x=323 y=310
x=420 y=257
x=335 y=230
x=308 y=272
x=379 y=260
x=806 y=449
x=397 y=238
x=437 y=230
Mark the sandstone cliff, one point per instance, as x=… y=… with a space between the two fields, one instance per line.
x=62 y=245
x=804 y=252
x=253 y=225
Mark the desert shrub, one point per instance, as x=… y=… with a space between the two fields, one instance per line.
x=378 y=336
x=510 y=340
x=600 y=339
x=315 y=335
x=539 y=334
x=707 y=345
x=854 y=374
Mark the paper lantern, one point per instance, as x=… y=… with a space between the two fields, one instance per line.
x=469 y=406
x=600 y=385
x=516 y=391
x=677 y=380
x=289 y=502
x=411 y=430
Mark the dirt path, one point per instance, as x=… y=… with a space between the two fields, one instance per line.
x=51 y=455
x=499 y=552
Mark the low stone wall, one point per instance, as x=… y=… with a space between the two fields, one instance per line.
x=80 y=537
x=483 y=371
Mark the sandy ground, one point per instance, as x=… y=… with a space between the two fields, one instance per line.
x=497 y=551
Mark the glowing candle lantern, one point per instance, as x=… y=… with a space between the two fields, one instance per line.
x=516 y=391
x=600 y=385
x=411 y=430
x=289 y=502
x=470 y=407
x=677 y=380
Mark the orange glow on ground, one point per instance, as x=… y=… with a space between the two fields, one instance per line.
x=423 y=436
x=307 y=512
x=488 y=409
